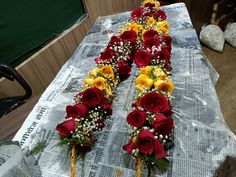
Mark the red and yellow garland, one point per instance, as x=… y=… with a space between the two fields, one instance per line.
x=151 y=120
x=144 y=41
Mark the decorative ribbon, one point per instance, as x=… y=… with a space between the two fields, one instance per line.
x=139 y=168
x=73 y=161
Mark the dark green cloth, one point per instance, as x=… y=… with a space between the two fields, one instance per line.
x=27 y=24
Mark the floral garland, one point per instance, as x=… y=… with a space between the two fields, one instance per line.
x=143 y=40
x=150 y=120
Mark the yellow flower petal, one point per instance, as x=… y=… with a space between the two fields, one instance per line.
x=108 y=90
x=159 y=73
x=163 y=30
x=134 y=27
x=146 y=70
x=143 y=82
x=88 y=81
x=93 y=72
x=100 y=83
x=164 y=85
x=164 y=24
x=151 y=21
x=107 y=72
x=157 y=4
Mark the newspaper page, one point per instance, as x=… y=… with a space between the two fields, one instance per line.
x=202 y=139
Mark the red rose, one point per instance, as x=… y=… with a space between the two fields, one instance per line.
x=114 y=41
x=147 y=14
x=150 y=6
x=147 y=144
x=150 y=34
x=168 y=67
x=137 y=118
x=148 y=44
x=66 y=127
x=106 y=106
x=129 y=147
x=168 y=48
x=162 y=55
x=137 y=13
x=133 y=48
x=167 y=40
x=137 y=104
x=142 y=58
x=97 y=60
x=107 y=55
x=162 y=124
x=129 y=36
x=76 y=111
x=159 y=15
x=100 y=123
x=159 y=150
x=123 y=68
x=155 y=102
x=92 y=97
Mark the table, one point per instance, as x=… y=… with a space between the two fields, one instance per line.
x=201 y=138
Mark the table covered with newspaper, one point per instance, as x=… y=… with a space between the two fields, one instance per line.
x=202 y=139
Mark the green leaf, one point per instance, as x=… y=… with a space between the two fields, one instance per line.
x=161 y=163
x=38 y=147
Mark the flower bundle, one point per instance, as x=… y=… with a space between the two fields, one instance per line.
x=86 y=116
x=150 y=120
x=143 y=40
x=92 y=104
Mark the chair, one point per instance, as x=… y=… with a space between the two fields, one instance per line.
x=8 y=104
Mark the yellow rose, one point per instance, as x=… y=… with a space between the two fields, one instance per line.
x=143 y=81
x=163 y=30
x=88 y=81
x=134 y=27
x=159 y=73
x=164 y=24
x=151 y=21
x=148 y=1
x=157 y=4
x=107 y=71
x=93 y=72
x=108 y=90
x=100 y=83
x=164 y=85
x=146 y=70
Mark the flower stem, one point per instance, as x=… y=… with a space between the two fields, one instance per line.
x=139 y=168
x=73 y=161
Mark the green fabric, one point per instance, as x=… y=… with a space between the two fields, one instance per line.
x=27 y=24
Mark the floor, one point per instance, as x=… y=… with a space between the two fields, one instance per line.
x=225 y=64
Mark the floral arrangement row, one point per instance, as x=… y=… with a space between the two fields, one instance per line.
x=150 y=120
x=144 y=41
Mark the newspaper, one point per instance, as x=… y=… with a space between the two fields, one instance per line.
x=202 y=139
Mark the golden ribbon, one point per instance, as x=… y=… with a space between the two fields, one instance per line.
x=139 y=168
x=73 y=161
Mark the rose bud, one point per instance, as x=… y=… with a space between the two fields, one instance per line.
x=162 y=125
x=137 y=13
x=66 y=127
x=142 y=58
x=129 y=36
x=155 y=102
x=92 y=97
x=137 y=118
x=76 y=111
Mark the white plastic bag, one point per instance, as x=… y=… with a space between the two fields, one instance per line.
x=213 y=37
x=230 y=34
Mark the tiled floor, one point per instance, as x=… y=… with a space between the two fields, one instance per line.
x=225 y=64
